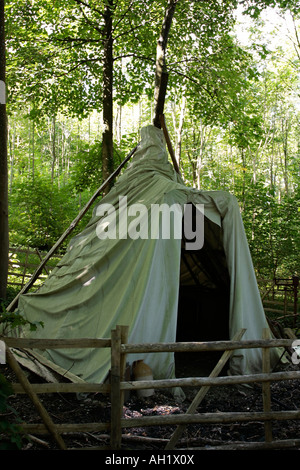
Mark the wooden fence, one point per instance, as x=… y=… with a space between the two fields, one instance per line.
x=117 y=386
x=23 y=262
x=281 y=299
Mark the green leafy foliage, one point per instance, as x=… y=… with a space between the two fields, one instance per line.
x=87 y=171
x=240 y=123
x=39 y=210
x=255 y=7
x=241 y=117
x=11 y=320
x=10 y=434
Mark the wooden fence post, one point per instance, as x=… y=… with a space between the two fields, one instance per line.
x=266 y=389
x=124 y=339
x=118 y=364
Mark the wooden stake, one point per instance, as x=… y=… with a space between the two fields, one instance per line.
x=34 y=398
x=202 y=392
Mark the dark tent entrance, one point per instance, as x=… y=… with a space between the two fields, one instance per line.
x=204 y=294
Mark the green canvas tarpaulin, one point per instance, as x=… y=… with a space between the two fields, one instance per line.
x=101 y=283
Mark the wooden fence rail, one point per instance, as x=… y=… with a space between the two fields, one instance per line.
x=117 y=386
x=281 y=299
x=23 y=262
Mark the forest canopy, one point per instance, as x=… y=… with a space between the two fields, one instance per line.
x=232 y=108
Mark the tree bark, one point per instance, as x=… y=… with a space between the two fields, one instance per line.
x=4 y=237
x=53 y=147
x=162 y=45
x=160 y=70
x=107 y=136
x=285 y=127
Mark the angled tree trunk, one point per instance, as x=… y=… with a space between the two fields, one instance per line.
x=4 y=238
x=107 y=137
x=161 y=69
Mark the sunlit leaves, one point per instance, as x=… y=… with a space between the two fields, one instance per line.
x=254 y=7
x=56 y=51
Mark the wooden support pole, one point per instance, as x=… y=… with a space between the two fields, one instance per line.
x=266 y=389
x=35 y=400
x=115 y=380
x=169 y=143
x=202 y=392
x=38 y=271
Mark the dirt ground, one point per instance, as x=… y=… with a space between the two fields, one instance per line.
x=69 y=408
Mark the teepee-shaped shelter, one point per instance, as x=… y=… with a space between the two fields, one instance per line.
x=150 y=283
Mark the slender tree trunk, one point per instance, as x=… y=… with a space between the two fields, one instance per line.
x=53 y=147
x=29 y=147
x=162 y=45
x=194 y=169
x=285 y=126
x=107 y=136
x=4 y=237
x=118 y=124
x=179 y=129
x=33 y=136
x=12 y=155
x=244 y=179
x=161 y=76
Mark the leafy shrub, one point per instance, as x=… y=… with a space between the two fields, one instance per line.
x=10 y=434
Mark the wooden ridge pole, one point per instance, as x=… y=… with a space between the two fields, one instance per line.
x=38 y=271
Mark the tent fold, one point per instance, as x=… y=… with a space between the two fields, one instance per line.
x=100 y=283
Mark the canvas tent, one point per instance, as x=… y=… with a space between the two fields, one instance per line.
x=145 y=282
